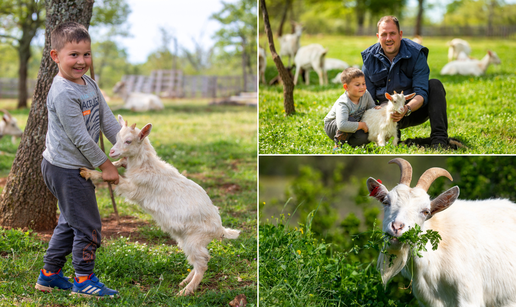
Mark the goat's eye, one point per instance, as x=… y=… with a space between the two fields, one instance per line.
x=425 y=212
x=128 y=142
x=386 y=201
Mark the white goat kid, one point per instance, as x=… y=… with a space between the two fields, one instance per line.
x=262 y=63
x=290 y=43
x=457 y=46
x=474 y=264
x=178 y=205
x=308 y=58
x=471 y=67
x=380 y=125
x=136 y=101
x=9 y=126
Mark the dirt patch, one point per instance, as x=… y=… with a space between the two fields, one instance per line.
x=129 y=227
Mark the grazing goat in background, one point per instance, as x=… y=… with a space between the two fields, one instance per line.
x=308 y=58
x=178 y=205
x=474 y=264
x=9 y=126
x=330 y=64
x=137 y=102
x=380 y=125
x=470 y=66
x=457 y=46
x=290 y=43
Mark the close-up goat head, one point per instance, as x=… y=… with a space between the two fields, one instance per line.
x=398 y=100
x=129 y=140
x=404 y=207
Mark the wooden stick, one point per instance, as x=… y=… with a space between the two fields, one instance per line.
x=101 y=138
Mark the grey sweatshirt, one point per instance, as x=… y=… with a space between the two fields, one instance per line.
x=344 y=108
x=76 y=114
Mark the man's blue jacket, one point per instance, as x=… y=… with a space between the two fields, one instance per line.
x=409 y=71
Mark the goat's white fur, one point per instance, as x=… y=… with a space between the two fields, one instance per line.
x=474 y=264
x=9 y=126
x=178 y=205
x=136 y=101
x=330 y=64
x=456 y=46
x=290 y=43
x=379 y=123
x=308 y=58
x=470 y=66
x=262 y=63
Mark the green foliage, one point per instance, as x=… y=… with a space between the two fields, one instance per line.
x=479 y=112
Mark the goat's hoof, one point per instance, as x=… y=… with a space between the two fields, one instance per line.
x=85 y=173
x=185 y=292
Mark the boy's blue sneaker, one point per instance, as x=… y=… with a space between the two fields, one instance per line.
x=47 y=283
x=92 y=287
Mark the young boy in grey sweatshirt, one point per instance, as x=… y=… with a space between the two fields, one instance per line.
x=77 y=112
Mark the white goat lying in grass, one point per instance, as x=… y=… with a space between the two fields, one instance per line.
x=379 y=122
x=179 y=206
x=474 y=264
x=472 y=66
x=9 y=126
x=136 y=101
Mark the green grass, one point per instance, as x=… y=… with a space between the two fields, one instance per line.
x=216 y=146
x=481 y=110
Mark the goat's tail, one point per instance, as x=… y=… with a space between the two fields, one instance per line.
x=229 y=233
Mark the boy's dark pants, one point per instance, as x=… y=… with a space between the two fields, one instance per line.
x=354 y=139
x=79 y=225
x=435 y=110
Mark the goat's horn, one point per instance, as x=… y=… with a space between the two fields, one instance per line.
x=5 y=112
x=395 y=92
x=430 y=175
x=406 y=170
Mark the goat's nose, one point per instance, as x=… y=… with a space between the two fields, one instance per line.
x=397 y=226
x=111 y=151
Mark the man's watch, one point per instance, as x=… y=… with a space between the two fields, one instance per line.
x=408 y=111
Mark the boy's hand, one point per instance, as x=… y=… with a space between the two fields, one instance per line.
x=363 y=126
x=109 y=172
x=378 y=107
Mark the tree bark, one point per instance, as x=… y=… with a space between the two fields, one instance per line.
x=26 y=201
x=288 y=83
x=419 y=19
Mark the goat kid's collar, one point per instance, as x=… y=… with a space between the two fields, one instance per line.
x=375 y=190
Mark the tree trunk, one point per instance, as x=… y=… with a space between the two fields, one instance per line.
x=288 y=84
x=419 y=19
x=244 y=61
x=283 y=18
x=26 y=201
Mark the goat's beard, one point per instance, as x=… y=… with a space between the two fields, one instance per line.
x=389 y=270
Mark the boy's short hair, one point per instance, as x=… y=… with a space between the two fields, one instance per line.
x=349 y=74
x=68 y=32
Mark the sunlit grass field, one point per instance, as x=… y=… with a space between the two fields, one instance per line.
x=481 y=110
x=216 y=147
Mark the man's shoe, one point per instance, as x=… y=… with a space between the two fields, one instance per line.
x=92 y=287
x=47 y=283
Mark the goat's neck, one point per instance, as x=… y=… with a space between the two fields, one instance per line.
x=145 y=157
x=484 y=63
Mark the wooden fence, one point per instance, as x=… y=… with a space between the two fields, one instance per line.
x=9 y=88
x=173 y=84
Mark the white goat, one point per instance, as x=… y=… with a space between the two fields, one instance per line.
x=457 y=46
x=289 y=43
x=308 y=58
x=9 y=126
x=179 y=205
x=418 y=39
x=474 y=264
x=379 y=122
x=137 y=102
x=330 y=64
x=262 y=63
x=471 y=66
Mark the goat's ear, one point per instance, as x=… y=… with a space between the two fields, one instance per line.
x=376 y=189
x=121 y=121
x=443 y=201
x=407 y=97
x=145 y=132
x=388 y=96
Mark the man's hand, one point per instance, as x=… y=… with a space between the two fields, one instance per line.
x=396 y=117
x=109 y=172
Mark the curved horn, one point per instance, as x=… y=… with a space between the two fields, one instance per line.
x=406 y=170
x=6 y=113
x=430 y=175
